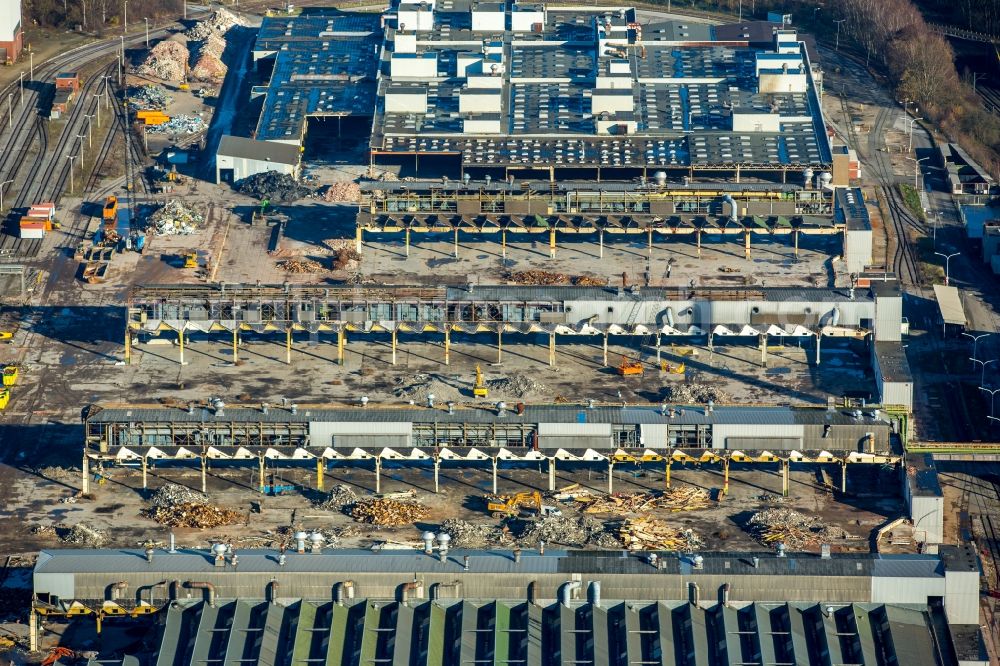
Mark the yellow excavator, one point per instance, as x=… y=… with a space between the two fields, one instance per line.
x=479 y=389
x=503 y=506
x=190 y=260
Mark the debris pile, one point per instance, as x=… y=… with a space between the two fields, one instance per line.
x=206 y=59
x=516 y=386
x=686 y=498
x=338 y=498
x=590 y=281
x=175 y=219
x=218 y=24
x=465 y=534
x=797 y=531
x=271 y=185
x=420 y=387
x=147 y=97
x=349 y=192
x=576 y=532
x=301 y=266
x=537 y=277
x=347 y=259
x=388 y=512
x=181 y=124
x=84 y=535
x=166 y=61
x=689 y=394
x=653 y=534
x=177 y=506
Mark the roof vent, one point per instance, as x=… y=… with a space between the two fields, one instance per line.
x=824 y=551
x=698 y=562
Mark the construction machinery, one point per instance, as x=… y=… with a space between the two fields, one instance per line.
x=4 y=397
x=506 y=506
x=110 y=209
x=479 y=389
x=56 y=654
x=190 y=260
x=6 y=337
x=672 y=369
x=629 y=367
x=10 y=374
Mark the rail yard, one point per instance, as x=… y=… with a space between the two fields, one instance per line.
x=453 y=332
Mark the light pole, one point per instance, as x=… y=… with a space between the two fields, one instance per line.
x=975 y=78
x=837 y=43
x=98 y=109
x=125 y=17
x=916 y=170
x=147 y=31
x=10 y=109
x=993 y=395
x=975 y=340
x=947 y=264
x=937 y=218
x=2 y=185
x=21 y=84
x=71 y=185
x=107 y=92
x=89 y=132
x=81 y=137
x=912 y=121
x=31 y=65
x=982 y=377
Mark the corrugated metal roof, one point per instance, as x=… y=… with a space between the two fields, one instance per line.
x=950 y=305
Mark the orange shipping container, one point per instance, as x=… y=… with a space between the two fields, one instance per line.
x=28 y=220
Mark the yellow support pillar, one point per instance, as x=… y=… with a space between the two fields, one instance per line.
x=784 y=478
x=357 y=239
x=180 y=342
x=499 y=344
x=666 y=473
x=319 y=473
x=260 y=474
x=407 y=241
x=32 y=630
x=552 y=350
x=649 y=244
x=144 y=466
x=456 y=243
x=288 y=346
x=128 y=345
x=378 y=475
x=447 y=345
x=394 y=346
x=341 y=339
x=600 y=240
x=746 y=244
x=100 y=619
x=725 y=477
x=236 y=343
x=503 y=243
x=552 y=243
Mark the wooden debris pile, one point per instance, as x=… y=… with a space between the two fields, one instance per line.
x=537 y=277
x=652 y=534
x=797 y=531
x=590 y=281
x=388 y=512
x=194 y=514
x=685 y=498
x=301 y=266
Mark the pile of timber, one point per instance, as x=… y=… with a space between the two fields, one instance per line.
x=388 y=512
x=194 y=514
x=797 y=531
x=537 y=277
x=652 y=534
x=685 y=498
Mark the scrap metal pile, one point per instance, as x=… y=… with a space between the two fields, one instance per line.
x=575 y=532
x=349 y=192
x=166 y=60
x=273 y=186
x=515 y=386
x=148 y=97
x=797 y=531
x=338 y=498
x=388 y=512
x=177 y=506
x=465 y=534
x=175 y=219
x=653 y=534
x=84 y=535
x=684 y=498
x=537 y=277
x=690 y=394
x=181 y=124
x=207 y=57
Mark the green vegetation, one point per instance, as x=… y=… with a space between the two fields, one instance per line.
x=931 y=266
x=912 y=200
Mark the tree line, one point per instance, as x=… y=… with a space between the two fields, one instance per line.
x=95 y=15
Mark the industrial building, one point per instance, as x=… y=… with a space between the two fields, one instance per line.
x=537 y=607
x=239 y=158
x=11 y=33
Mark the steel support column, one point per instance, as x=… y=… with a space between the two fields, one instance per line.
x=394 y=346
x=763 y=350
x=447 y=345
x=180 y=343
x=437 y=474
x=144 y=467
x=288 y=346
x=341 y=340
x=260 y=473
x=204 y=474
x=784 y=478
x=456 y=243
x=657 y=349
x=319 y=473
x=795 y=239
x=605 y=350
x=819 y=337
x=552 y=474
x=600 y=240
x=666 y=472
x=357 y=239
x=494 y=462
x=503 y=243
x=236 y=344
x=407 y=241
x=725 y=477
x=378 y=475
x=843 y=476
x=128 y=345
x=499 y=344
x=552 y=243
x=746 y=244
x=85 y=476
x=611 y=476
x=697 y=236
x=552 y=350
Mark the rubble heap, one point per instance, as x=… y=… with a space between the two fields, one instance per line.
x=797 y=531
x=420 y=386
x=271 y=185
x=575 y=532
x=465 y=534
x=388 y=512
x=685 y=498
x=181 y=124
x=590 y=281
x=690 y=394
x=652 y=534
x=347 y=259
x=349 y=192
x=177 y=506
x=84 y=535
x=516 y=386
x=338 y=498
x=166 y=61
x=537 y=277
x=206 y=59
x=175 y=219
x=218 y=24
x=148 y=97
x=301 y=266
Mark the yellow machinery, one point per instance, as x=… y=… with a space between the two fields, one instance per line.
x=479 y=390
x=503 y=506
x=672 y=369
x=190 y=260
x=4 y=397
x=111 y=209
x=6 y=336
x=10 y=374
x=627 y=367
